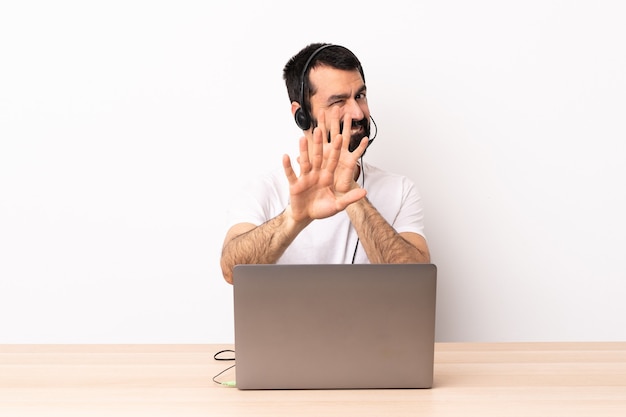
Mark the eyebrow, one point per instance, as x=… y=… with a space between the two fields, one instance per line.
x=336 y=97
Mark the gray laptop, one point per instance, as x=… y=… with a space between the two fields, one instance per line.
x=334 y=326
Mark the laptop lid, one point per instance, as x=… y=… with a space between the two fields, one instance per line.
x=334 y=326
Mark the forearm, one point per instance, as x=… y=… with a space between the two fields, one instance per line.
x=263 y=244
x=380 y=240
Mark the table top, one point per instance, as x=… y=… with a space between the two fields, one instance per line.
x=470 y=379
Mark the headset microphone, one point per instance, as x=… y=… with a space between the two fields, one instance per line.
x=375 y=132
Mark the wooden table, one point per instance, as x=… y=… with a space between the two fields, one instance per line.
x=494 y=379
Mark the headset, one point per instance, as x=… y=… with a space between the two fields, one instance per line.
x=302 y=116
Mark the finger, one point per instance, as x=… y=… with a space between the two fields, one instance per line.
x=347 y=126
x=350 y=197
x=360 y=150
x=347 y=130
x=332 y=154
x=317 y=154
x=335 y=123
x=321 y=124
x=303 y=158
x=289 y=172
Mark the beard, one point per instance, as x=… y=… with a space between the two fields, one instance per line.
x=355 y=140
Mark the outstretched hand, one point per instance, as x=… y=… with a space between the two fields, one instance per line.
x=326 y=184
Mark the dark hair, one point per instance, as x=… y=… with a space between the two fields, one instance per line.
x=334 y=56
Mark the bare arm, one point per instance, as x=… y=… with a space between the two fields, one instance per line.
x=313 y=195
x=246 y=243
x=381 y=242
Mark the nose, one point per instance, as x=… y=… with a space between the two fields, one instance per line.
x=354 y=109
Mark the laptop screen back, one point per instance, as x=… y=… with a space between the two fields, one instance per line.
x=334 y=326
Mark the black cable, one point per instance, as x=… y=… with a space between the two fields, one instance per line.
x=355 y=248
x=362 y=186
x=224 y=359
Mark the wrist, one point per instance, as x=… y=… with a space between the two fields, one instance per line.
x=293 y=222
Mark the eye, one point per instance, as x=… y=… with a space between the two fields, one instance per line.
x=361 y=96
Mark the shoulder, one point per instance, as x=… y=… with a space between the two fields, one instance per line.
x=274 y=179
x=269 y=190
x=375 y=175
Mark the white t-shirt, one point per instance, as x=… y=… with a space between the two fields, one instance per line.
x=331 y=240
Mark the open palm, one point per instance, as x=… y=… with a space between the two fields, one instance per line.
x=325 y=184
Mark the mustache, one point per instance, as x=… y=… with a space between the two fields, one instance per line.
x=356 y=123
x=364 y=123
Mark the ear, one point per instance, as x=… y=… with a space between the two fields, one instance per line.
x=294 y=107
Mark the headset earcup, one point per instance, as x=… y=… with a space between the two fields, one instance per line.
x=302 y=119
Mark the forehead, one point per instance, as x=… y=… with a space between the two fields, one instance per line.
x=327 y=81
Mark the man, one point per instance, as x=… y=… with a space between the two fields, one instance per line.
x=337 y=209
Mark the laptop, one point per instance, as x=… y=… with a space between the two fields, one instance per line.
x=366 y=326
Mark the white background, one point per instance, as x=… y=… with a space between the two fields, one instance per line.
x=125 y=127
